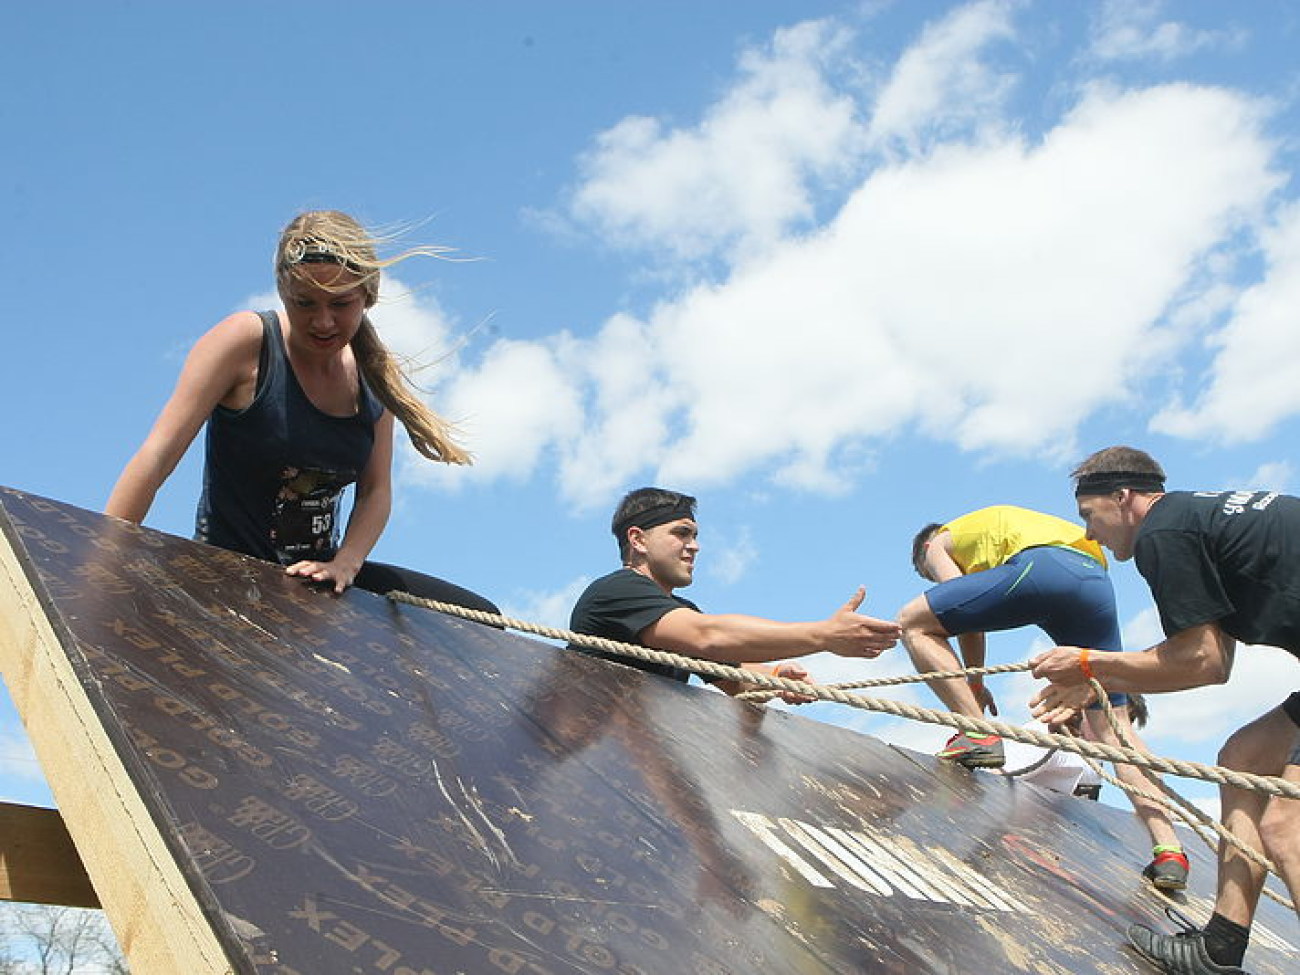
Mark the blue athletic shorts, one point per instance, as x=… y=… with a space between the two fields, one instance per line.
x=1061 y=590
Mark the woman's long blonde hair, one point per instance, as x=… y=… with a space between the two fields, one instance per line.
x=335 y=237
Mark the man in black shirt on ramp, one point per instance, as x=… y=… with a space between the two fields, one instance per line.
x=657 y=541
x=1223 y=566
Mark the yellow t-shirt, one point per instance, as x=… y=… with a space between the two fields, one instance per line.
x=986 y=538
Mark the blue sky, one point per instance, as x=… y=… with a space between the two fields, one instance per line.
x=838 y=269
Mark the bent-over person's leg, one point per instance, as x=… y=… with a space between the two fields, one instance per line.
x=382 y=578
x=1154 y=816
x=927 y=644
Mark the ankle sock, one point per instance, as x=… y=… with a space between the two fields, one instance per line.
x=1225 y=941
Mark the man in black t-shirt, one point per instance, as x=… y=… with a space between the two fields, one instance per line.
x=1222 y=566
x=658 y=541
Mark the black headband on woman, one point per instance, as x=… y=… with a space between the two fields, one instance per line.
x=310 y=251
x=1108 y=482
x=660 y=514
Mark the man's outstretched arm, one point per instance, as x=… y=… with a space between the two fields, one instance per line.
x=734 y=638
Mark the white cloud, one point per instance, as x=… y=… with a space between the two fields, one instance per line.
x=941 y=84
x=992 y=295
x=629 y=410
x=915 y=735
x=550 y=608
x=737 y=176
x=1209 y=714
x=1143 y=630
x=415 y=327
x=827 y=668
x=1269 y=476
x=1133 y=30
x=730 y=558
x=957 y=291
x=1262 y=677
x=1208 y=805
x=1275 y=476
x=1249 y=389
x=262 y=301
x=510 y=408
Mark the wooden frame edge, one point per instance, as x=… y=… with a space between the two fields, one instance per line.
x=157 y=919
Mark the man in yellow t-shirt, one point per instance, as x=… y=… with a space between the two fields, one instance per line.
x=1001 y=568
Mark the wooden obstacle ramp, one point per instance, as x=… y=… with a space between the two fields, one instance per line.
x=262 y=777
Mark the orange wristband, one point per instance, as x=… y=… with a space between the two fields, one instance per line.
x=1084 y=665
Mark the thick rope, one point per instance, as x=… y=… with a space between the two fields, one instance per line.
x=905 y=679
x=1192 y=816
x=1271 y=785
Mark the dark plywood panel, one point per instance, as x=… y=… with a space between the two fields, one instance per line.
x=349 y=785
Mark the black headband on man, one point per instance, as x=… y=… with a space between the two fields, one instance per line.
x=1108 y=482
x=660 y=514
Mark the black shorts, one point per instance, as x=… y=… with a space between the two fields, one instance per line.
x=1292 y=708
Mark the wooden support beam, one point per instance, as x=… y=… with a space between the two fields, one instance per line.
x=39 y=863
